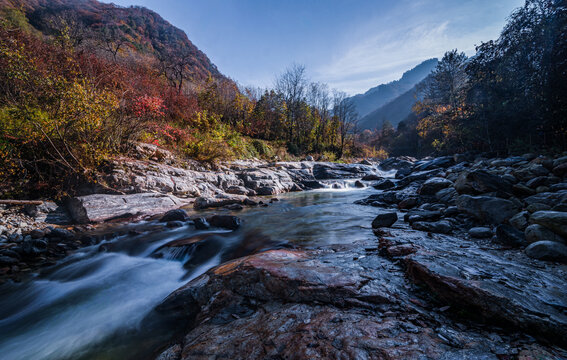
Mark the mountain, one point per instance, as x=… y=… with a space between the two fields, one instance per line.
x=136 y=33
x=395 y=111
x=382 y=94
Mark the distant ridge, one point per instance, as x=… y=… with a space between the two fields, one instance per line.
x=380 y=95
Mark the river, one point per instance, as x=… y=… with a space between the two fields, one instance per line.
x=98 y=302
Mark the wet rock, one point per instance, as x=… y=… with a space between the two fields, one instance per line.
x=408 y=203
x=421 y=215
x=522 y=190
x=556 y=221
x=560 y=170
x=174 y=224
x=234 y=207
x=359 y=184
x=7 y=261
x=535 y=233
x=219 y=200
x=371 y=177
x=535 y=207
x=433 y=185
x=480 y=181
x=384 y=184
x=490 y=210
x=172 y=353
x=174 y=215
x=520 y=220
x=550 y=198
x=324 y=171
x=59 y=233
x=225 y=221
x=201 y=223
x=480 y=232
x=384 y=220
x=102 y=207
x=440 y=162
x=548 y=250
x=510 y=236
x=313 y=184
x=447 y=195
x=441 y=227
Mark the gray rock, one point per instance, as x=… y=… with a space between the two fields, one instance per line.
x=480 y=232
x=556 y=221
x=536 y=232
x=510 y=236
x=433 y=185
x=480 y=181
x=201 y=223
x=490 y=210
x=447 y=195
x=548 y=250
x=174 y=215
x=520 y=220
x=219 y=200
x=102 y=207
x=532 y=208
x=442 y=226
x=384 y=184
x=384 y=220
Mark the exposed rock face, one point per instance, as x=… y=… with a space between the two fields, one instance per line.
x=102 y=207
x=507 y=288
x=319 y=305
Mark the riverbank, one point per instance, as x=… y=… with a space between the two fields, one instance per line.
x=433 y=262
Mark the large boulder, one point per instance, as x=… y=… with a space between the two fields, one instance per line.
x=384 y=220
x=433 y=185
x=480 y=181
x=548 y=250
x=441 y=227
x=489 y=210
x=218 y=200
x=536 y=232
x=556 y=221
x=103 y=207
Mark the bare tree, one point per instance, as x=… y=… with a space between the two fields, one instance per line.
x=175 y=65
x=292 y=86
x=344 y=111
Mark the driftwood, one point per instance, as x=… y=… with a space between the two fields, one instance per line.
x=21 y=202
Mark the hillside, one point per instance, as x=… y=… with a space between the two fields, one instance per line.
x=136 y=33
x=382 y=94
x=394 y=111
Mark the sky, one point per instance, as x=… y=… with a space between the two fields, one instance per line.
x=352 y=45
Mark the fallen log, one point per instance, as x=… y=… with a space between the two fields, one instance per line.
x=21 y=202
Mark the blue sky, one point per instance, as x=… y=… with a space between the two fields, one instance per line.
x=350 y=44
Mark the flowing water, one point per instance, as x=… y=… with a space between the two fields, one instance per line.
x=97 y=303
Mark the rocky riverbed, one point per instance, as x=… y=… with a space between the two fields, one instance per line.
x=467 y=260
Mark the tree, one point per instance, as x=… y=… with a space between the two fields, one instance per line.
x=292 y=86
x=344 y=111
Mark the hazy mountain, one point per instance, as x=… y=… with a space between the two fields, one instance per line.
x=382 y=94
x=395 y=111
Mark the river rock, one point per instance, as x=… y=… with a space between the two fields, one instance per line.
x=174 y=215
x=510 y=236
x=520 y=220
x=480 y=232
x=447 y=195
x=480 y=181
x=201 y=223
x=433 y=185
x=536 y=232
x=102 y=207
x=548 y=250
x=384 y=220
x=490 y=210
x=225 y=221
x=441 y=227
x=384 y=184
x=219 y=200
x=556 y=221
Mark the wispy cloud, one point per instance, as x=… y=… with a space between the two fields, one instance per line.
x=382 y=50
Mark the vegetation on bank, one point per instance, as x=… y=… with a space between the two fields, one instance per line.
x=80 y=85
x=509 y=97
